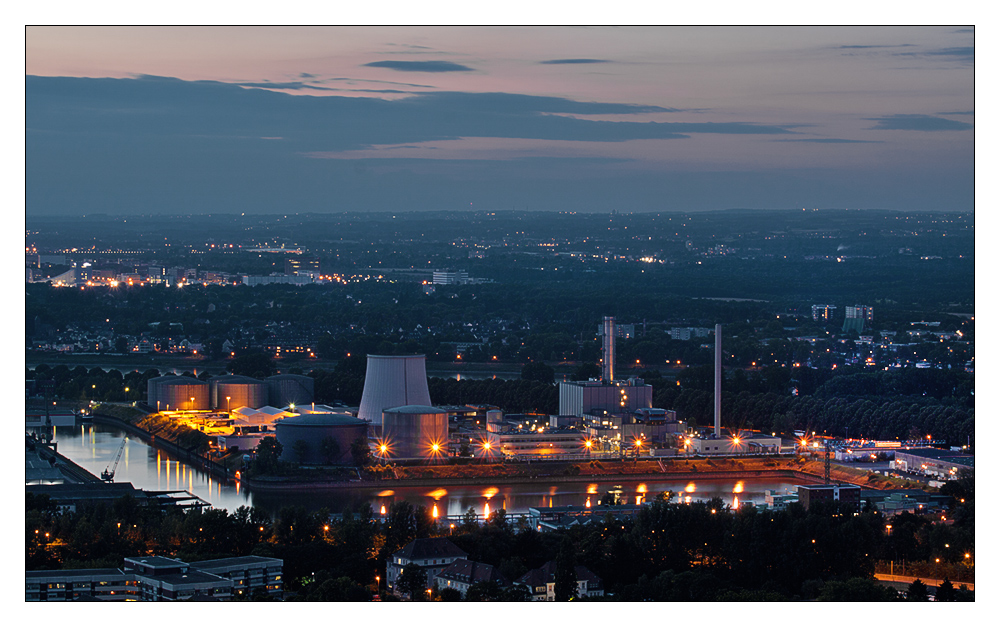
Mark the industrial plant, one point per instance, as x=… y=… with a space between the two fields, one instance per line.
x=606 y=417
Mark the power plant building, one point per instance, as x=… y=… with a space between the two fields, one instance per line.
x=577 y=398
x=393 y=381
x=607 y=396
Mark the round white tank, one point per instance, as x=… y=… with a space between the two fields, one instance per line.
x=414 y=431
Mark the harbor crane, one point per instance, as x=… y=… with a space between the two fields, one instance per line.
x=109 y=472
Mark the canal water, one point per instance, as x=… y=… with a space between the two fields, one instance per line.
x=94 y=447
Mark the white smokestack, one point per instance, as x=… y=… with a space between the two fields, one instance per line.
x=718 y=380
x=609 y=349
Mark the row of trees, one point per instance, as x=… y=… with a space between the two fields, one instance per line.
x=669 y=551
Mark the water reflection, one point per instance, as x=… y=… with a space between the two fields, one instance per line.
x=94 y=448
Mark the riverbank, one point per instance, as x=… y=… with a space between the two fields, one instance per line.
x=187 y=456
x=800 y=470
x=43 y=463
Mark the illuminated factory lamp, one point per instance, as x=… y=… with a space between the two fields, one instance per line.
x=434 y=512
x=588 y=444
x=486 y=446
x=382 y=511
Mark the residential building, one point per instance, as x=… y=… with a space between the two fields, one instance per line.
x=822 y=312
x=301 y=265
x=857 y=317
x=450 y=277
x=430 y=554
x=248 y=574
x=156 y=578
x=541 y=582
x=105 y=584
x=462 y=574
x=624 y=331
x=812 y=494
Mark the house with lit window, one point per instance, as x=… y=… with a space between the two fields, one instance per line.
x=430 y=554
x=541 y=582
x=462 y=574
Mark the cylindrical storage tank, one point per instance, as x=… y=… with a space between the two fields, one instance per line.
x=413 y=431
x=176 y=394
x=153 y=388
x=319 y=439
x=241 y=392
x=289 y=389
x=393 y=381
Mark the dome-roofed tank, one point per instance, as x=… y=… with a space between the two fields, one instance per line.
x=289 y=389
x=413 y=431
x=320 y=439
x=174 y=393
x=393 y=381
x=232 y=391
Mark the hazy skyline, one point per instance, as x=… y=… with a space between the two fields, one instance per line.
x=179 y=120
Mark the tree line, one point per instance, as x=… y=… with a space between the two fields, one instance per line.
x=703 y=551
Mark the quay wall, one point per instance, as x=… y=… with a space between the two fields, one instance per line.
x=291 y=484
x=189 y=457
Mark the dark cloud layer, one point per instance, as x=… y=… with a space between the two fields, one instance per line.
x=421 y=66
x=904 y=122
x=963 y=54
x=161 y=145
x=151 y=106
x=831 y=140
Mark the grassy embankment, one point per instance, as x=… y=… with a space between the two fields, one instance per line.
x=160 y=426
x=606 y=469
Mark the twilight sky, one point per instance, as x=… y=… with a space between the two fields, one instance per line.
x=182 y=120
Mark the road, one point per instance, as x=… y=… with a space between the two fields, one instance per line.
x=906 y=580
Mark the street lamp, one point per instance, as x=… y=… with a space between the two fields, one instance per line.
x=227 y=404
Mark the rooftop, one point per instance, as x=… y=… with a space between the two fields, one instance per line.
x=473 y=572
x=430 y=548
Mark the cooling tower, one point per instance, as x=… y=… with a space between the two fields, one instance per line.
x=609 y=349
x=393 y=381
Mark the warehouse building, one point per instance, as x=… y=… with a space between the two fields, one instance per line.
x=934 y=461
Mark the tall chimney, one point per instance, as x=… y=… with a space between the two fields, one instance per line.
x=608 y=373
x=718 y=380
